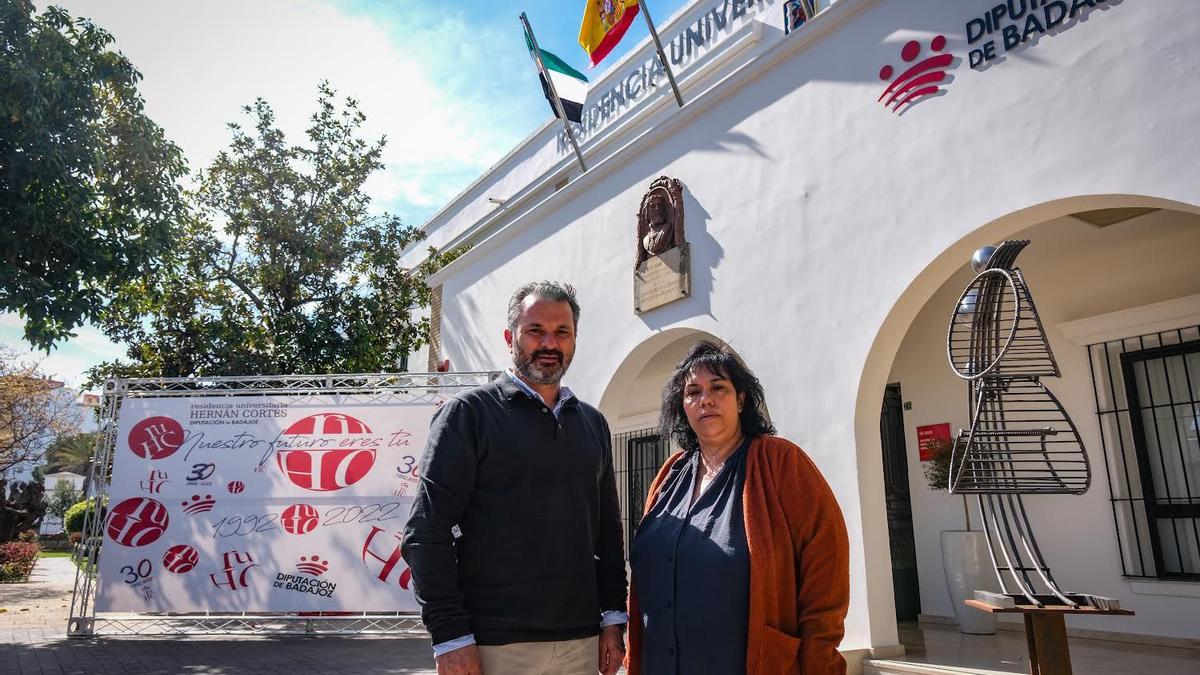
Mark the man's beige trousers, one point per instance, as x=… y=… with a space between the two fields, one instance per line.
x=569 y=657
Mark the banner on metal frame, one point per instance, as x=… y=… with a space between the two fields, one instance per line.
x=261 y=504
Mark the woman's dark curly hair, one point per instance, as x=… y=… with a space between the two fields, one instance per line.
x=718 y=360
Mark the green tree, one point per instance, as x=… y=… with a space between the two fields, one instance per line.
x=34 y=410
x=63 y=497
x=71 y=453
x=284 y=269
x=89 y=194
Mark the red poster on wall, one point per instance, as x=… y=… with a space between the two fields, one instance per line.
x=930 y=435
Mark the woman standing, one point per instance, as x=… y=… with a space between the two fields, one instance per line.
x=741 y=563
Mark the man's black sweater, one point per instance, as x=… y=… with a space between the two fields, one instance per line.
x=540 y=554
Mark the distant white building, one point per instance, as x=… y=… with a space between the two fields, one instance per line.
x=836 y=182
x=52 y=479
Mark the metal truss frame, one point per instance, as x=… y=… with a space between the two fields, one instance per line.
x=84 y=622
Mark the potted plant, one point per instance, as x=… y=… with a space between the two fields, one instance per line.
x=965 y=558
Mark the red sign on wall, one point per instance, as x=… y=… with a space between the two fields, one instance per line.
x=930 y=435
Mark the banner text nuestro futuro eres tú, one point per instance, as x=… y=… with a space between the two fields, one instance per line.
x=260 y=504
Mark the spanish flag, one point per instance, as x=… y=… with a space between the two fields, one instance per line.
x=604 y=24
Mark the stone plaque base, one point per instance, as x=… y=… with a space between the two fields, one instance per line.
x=663 y=279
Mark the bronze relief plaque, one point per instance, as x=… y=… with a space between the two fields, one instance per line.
x=662 y=269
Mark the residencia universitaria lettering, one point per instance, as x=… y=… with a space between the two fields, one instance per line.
x=710 y=28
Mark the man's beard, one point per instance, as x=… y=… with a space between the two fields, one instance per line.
x=527 y=366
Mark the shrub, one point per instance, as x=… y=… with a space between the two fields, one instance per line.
x=28 y=536
x=75 y=537
x=937 y=468
x=16 y=560
x=73 y=519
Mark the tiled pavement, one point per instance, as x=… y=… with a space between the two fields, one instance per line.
x=33 y=641
x=30 y=652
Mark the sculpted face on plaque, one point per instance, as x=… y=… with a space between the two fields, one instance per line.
x=660 y=219
x=660 y=237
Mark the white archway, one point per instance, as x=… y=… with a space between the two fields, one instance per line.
x=632 y=392
x=886 y=346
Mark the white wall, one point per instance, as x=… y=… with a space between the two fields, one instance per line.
x=1074 y=271
x=820 y=222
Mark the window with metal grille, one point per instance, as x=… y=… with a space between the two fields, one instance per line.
x=637 y=457
x=1148 y=399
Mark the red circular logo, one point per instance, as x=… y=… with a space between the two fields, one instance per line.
x=299 y=519
x=155 y=437
x=137 y=521
x=180 y=559
x=323 y=452
x=236 y=487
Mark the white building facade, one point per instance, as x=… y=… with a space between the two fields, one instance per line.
x=829 y=238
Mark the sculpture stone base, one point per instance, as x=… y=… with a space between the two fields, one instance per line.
x=662 y=279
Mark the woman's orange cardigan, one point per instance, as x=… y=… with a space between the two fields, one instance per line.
x=799 y=565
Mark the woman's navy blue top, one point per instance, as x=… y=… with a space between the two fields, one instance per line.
x=692 y=569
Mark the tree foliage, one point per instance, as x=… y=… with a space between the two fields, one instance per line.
x=63 y=497
x=34 y=411
x=284 y=269
x=89 y=198
x=71 y=453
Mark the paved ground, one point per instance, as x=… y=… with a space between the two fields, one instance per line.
x=44 y=602
x=270 y=656
x=33 y=641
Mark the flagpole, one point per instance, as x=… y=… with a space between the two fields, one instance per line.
x=558 y=107
x=662 y=58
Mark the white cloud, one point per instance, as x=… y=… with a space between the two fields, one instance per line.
x=451 y=96
x=68 y=362
x=417 y=77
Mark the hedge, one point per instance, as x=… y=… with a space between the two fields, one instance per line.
x=74 y=516
x=16 y=561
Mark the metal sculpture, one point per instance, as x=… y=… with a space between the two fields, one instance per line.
x=1021 y=440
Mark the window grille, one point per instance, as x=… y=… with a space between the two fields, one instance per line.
x=637 y=457
x=1147 y=391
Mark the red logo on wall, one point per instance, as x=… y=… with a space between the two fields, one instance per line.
x=155 y=437
x=137 y=521
x=921 y=80
x=180 y=559
x=319 y=467
x=236 y=487
x=299 y=519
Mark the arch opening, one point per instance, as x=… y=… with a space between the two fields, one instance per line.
x=631 y=404
x=1092 y=260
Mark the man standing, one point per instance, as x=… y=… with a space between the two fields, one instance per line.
x=515 y=536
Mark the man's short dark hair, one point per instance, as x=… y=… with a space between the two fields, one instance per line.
x=542 y=290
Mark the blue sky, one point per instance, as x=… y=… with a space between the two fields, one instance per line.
x=450 y=84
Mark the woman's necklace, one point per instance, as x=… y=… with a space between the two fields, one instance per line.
x=712 y=469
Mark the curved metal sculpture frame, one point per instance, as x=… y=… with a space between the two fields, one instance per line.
x=1021 y=440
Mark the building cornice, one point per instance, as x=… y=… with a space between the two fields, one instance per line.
x=493 y=230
